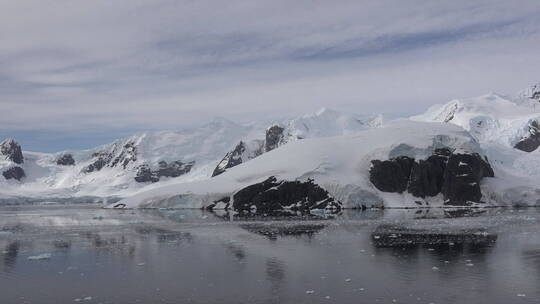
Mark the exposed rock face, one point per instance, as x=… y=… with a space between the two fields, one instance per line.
x=12 y=151
x=127 y=154
x=65 y=160
x=230 y=160
x=274 y=137
x=461 y=181
x=456 y=176
x=532 y=141
x=14 y=173
x=427 y=175
x=272 y=195
x=391 y=175
x=174 y=169
x=240 y=154
x=101 y=160
x=117 y=156
x=223 y=203
x=324 y=123
x=145 y=175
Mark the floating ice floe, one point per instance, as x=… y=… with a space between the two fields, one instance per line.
x=43 y=256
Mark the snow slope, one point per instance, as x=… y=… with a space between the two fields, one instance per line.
x=498 y=123
x=326 y=123
x=205 y=145
x=323 y=123
x=333 y=149
x=45 y=178
x=339 y=164
x=489 y=118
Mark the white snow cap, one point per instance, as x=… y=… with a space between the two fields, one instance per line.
x=340 y=164
x=206 y=145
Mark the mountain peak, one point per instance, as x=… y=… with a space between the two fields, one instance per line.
x=9 y=140
x=11 y=150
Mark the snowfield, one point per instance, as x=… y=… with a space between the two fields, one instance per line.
x=45 y=178
x=489 y=118
x=174 y=169
x=498 y=123
x=339 y=164
x=205 y=146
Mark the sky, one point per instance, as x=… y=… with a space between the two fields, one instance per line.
x=75 y=74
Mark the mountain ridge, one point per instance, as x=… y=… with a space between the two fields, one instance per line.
x=127 y=165
x=481 y=151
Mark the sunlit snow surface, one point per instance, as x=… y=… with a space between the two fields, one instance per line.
x=205 y=145
x=339 y=164
x=62 y=254
x=498 y=122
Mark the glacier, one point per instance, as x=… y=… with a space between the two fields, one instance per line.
x=205 y=167
x=116 y=170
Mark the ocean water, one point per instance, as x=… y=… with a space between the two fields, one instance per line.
x=73 y=254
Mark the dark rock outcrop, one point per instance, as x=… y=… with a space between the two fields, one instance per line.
x=174 y=169
x=274 y=137
x=101 y=159
x=532 y=141
x=456 y=175
x=14 y=173
x=65 y=160
x=240 y=154
x=123 y=156
x=145 y=175
x=12 y=151
x=127 y=155
x=427 y=175
x=391 y=175
x=231 y=159
x=224 y=202
x=461 y=181
x=272 y=195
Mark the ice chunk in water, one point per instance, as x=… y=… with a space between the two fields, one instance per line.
x=43 y=256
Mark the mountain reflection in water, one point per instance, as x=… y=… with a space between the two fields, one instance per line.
x=397 y=236
x=194 y=256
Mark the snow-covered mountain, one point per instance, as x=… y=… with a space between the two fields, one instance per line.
x=495 y=120
x=400 y=164
x=492 y=118
x=478 y=151
x=111 y=170
x=324 y=123
x=145 y=160
x=507 y=128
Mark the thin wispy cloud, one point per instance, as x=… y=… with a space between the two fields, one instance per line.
x=117 y=66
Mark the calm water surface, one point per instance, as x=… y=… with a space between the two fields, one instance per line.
x=90 y=255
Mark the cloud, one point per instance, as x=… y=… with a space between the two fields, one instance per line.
x=115 y=66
